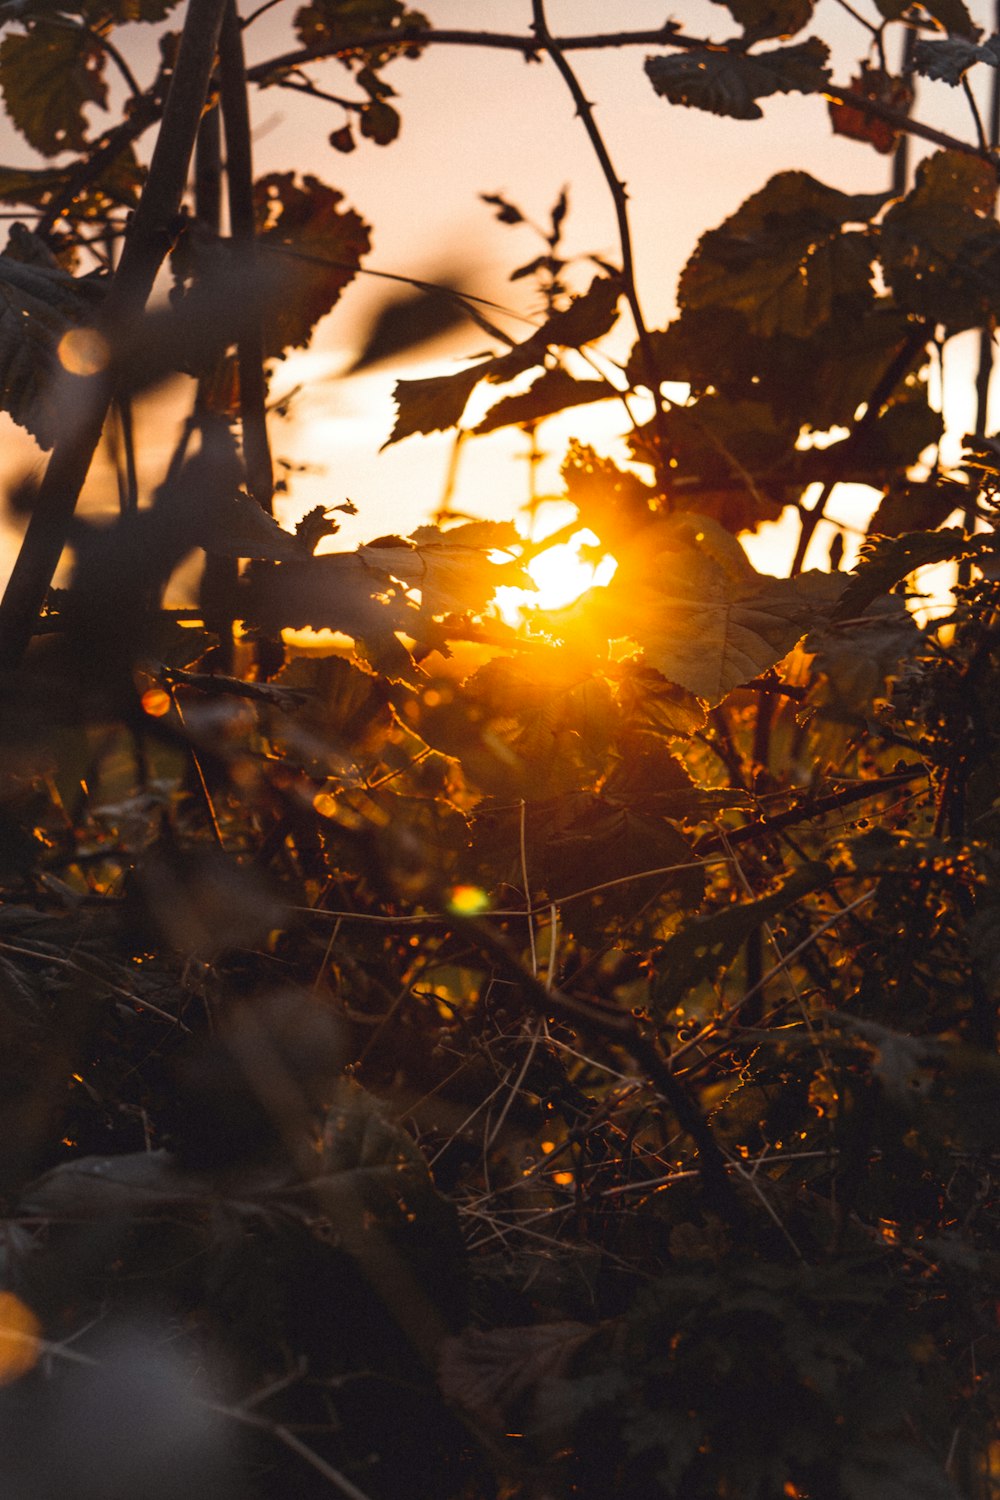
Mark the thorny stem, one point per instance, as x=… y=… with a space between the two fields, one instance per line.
x=619 y=197
x=143 y=253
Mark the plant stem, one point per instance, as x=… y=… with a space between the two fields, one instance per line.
x=619 y=197
x=145 y=247
x=239 y=176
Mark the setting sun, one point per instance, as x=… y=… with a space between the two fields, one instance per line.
x=559 y=575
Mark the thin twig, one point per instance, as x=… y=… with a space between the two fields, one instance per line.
x=239 y=177
x=619 y=197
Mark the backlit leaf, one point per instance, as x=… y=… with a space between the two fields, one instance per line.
x=553 y=391
x=730 y=83
x=433 y=403
x=705 y=946
x=783 y=257
x=47 y=76
x=320 y=246
x=701 y=614
x=940 y=244
x=886 y=560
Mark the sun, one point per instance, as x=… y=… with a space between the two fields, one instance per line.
x=560 y=575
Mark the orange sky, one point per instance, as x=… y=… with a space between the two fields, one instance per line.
x=479 y=121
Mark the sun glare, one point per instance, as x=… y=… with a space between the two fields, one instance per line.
x=560 y=576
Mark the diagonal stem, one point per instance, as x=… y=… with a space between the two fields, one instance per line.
x=619 y=197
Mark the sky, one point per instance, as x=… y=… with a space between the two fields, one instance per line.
x=483 y=121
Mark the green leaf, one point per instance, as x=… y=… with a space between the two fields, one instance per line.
x=730 y=83
x=766 y=18
x=47 y=76
x=783 y=258
x=705 y=946
x=885 y=561
x=320 y=247
x=939 y=246
x=554 y=391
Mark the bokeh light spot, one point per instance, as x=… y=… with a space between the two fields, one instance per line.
x=325 y=805
x=83 y=351
x=156 y=702
x=468 y=901
x=19 y=1330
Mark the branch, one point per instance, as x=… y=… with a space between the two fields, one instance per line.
x=145 y=247
x=239 y=176
x=619 y=196
x=620 y=1028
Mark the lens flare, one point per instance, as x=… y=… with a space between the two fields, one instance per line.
x=468 y=901
x=560 y=576
x=19 y=1332
x=83 y=351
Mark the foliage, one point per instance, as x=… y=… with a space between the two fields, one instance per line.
x=463 y=1058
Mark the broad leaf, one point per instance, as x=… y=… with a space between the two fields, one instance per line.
x=236 y=526
x=47 y=76
x=613 y=843
x=433 y=403
x=948 y=60
x=765 y=18
x=38 y=305
x=730 y=83
x=783 y=258
x=554 y=391
x=863 y=125
x=940 y=245
x=951 y=15
x=452 y=570
x=700 y=613
x=437 y=402
x=705 y=946
x=886 y=560
x=320 y=247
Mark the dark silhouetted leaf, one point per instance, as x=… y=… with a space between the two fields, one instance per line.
x=730 y=83
x=320 y=247
x=783 y=258
x=948 y=60
x=939 y=245
x=766 y=18
x=951 y=15
x=47 y=76
x=860 y=125
x=38 y=305
x=380 y=122
x=706 y=946
x=886 y=560
x=433 y=403
x=554 y=391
